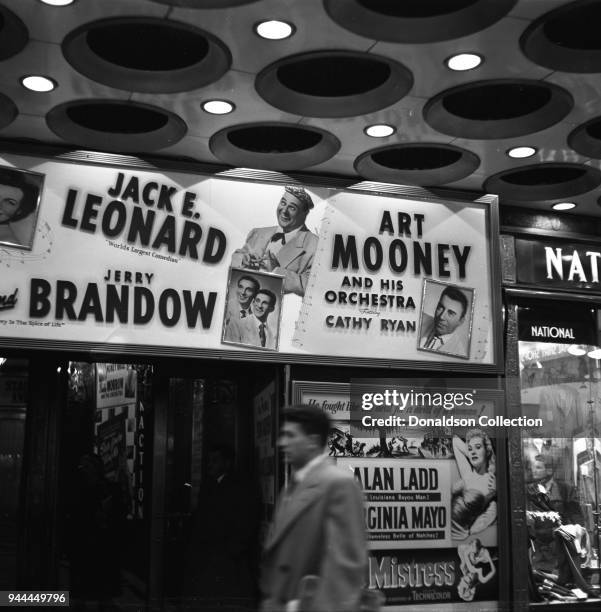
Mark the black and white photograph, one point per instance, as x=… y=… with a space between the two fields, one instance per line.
x=19 y=202
x=286 y=248
x=446 y=319
x=253 y=309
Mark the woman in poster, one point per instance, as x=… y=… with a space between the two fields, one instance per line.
x=473 y=505
x=476 y=566
x=18 y=201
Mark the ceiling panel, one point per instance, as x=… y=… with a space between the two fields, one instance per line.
x=499 y=44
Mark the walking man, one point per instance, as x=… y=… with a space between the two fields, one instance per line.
x=318 y=529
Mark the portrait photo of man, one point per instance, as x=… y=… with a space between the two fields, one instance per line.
x=448 y=329
x=239 y=304
x=19 y=202
x=253 y=308
x=287 y=248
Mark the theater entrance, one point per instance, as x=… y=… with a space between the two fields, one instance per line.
x=166 y=483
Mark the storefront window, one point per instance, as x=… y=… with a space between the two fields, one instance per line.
x=105 y=467
x=560 y=381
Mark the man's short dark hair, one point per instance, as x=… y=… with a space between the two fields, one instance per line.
x=14 y=178
x=269 y=293
x=252 y=279
x=455 y=294
x=311 y=419
x=300 y=194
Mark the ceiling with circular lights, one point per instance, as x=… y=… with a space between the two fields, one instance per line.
x=502 y=96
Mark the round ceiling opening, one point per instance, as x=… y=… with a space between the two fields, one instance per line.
x=334 y=76
x=117 y=118
x=543 y=175
x=498 y=108
x=8 y=111
x=273 y=146
x=586 y=138
x=204 y=4
x=333 y=83
x=113 y=125
x=576 y=27
x=416 y=158
x=497 y=101
x=541 y=182
x=134 y=46
x=567 y=38
x=417 y=164
x=416 y=21
x=13 y=34
x=593 y=129
x=265 y=139
x=146 y=54
x=415 y=8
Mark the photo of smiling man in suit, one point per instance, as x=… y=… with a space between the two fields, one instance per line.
x=239 y=303
x=287 y=248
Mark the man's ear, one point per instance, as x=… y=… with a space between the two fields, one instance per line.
x=315 y=440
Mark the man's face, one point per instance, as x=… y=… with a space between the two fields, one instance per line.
x=10 y=202
x=448 y=316
x=246 y=291
x=539 y=470
x=291 y=212
x=262 y=306
x=297 y=446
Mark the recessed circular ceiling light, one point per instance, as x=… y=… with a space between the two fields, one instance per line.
x=380 y=130
x=563 y=206
x=58 y=2
x=38 y=83
x=464 y=61
x=274 y=30
x=594 y=354
x=217 y=107
x=576 y=350
x=521 y=152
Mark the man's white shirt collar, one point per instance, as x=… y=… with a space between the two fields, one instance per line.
x=257 y=321
x=289 y=235
x=301 y=474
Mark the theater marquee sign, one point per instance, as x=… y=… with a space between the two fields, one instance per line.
x=129 y=260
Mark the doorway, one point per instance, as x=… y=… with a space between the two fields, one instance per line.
x=166 y=481
x=213 y=485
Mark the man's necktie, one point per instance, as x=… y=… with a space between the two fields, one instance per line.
x=435 y=342
x=262 y=335
x=242 y=313
x=279 y=237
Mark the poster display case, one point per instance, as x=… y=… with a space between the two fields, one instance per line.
x=432 y=534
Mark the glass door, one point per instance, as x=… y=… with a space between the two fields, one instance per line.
x=213 y=488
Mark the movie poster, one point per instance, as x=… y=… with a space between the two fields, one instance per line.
x=430 y=502
x=181 y=264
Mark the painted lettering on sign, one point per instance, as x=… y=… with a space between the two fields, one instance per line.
x=546 y=331
x=571 y=266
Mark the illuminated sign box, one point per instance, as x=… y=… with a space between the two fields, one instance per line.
x=149 y=262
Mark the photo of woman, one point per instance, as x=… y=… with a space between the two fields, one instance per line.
x=474 y=505
x=19 y=198
x=476 y=566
